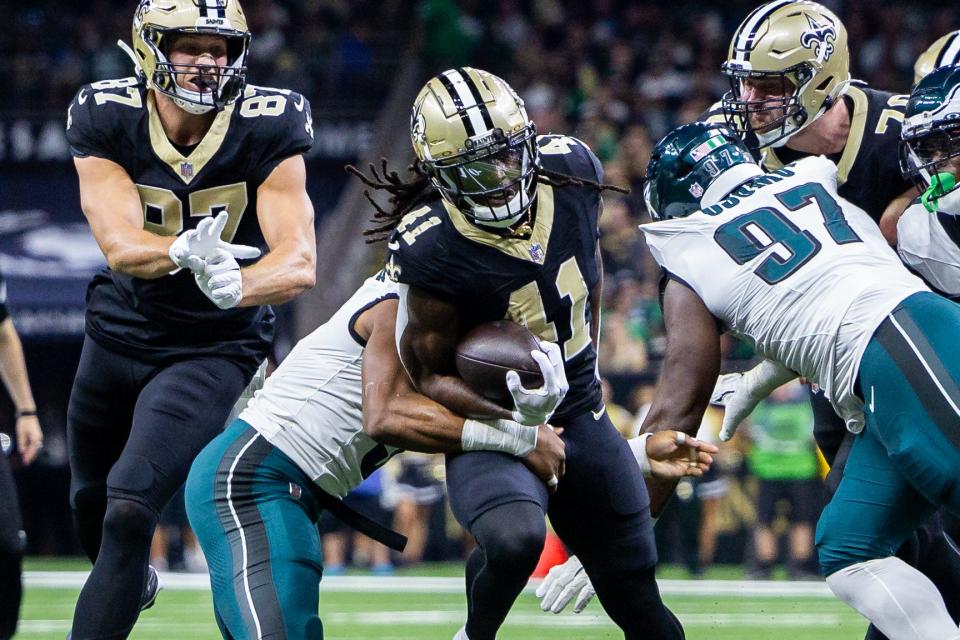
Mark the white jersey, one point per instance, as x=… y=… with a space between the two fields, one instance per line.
x=925 y=246
x=801 y=274
x=310 y=408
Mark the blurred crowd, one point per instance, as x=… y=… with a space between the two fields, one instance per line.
x=616 y=74
x=333 y=51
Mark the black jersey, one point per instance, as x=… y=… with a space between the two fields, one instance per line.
x=868 y=168
x=169 y=316
x=543 y=281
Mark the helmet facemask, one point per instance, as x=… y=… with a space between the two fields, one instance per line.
x=225 y=83
x=927 y=156
x=494 y=183
x=783 y=104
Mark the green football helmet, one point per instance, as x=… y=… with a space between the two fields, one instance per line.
x=694 y=166
x=930 y=137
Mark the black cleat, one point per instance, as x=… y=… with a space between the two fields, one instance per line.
x=151 y=589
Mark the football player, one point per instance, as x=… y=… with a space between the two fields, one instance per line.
x=944 y=52
x=783 y=261
x=339 y=406
x=817 y=290
x=29 y=437
x=789 y=71
x=175 y=163
x=928 y=233
x=788 y=65
x=502 y=223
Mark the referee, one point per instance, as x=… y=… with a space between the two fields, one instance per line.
x=13 y=372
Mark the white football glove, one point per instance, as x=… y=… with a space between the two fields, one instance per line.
x=534 y=407
x=192 y=248
x=739 y=393
x=220 y=279
x=563 y=583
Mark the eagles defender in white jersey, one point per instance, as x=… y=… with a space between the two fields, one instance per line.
x=782 y=261
x=928 y=233
x=337 y=408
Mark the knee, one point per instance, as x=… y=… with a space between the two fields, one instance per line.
x=129 y=520
x=517 y=544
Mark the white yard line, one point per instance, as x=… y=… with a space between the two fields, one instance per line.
x=375 y=584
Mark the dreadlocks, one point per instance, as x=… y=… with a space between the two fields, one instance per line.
x=404 y=196
x=407 y=196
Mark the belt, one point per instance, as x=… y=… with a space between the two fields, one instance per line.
x=360 y=522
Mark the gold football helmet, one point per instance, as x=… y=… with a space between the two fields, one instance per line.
x=788 y=63
x=155 y=21
x=473 y=138
x=944 y=52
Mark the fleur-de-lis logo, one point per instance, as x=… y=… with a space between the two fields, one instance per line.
x=820 y=38
x=418 y=124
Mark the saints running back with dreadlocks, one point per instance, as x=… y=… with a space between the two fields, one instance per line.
x=500 y=223
x=176 y=163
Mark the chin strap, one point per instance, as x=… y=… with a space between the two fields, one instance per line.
x=133 y=58
x=940 y=183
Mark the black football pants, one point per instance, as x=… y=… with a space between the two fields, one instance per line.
x=600 y=510
x=133 y=429
x=11 y=552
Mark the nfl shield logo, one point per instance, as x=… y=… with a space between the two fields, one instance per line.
x=536 y=252
x=696 y=190
x=186 y=169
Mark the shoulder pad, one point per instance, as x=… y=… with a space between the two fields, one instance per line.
x=281 y=125
x=819 y=168
x=97 y=111
x=714 y=114
x=566 y=154
x=413 y=253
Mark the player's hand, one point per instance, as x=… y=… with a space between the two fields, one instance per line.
x=535 y=406
x=193 y=248
x=221 y=280
x=29 y=438
x=548 y=459
x=674 y=455
x=563 y=583
x=739 y=393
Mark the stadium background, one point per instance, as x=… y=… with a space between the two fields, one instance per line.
x=616 y=74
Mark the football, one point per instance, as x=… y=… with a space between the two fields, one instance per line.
x=488 y=351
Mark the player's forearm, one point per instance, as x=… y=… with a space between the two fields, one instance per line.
x=453 y=393
x=13 y=369
x=139 y=254
x=411 y=421
x=281 y=275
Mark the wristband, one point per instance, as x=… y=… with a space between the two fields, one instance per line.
x=505 y=436
x=638 y=446
x=26 y=412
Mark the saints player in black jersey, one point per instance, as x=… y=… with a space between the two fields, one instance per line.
x=184 y=147
x=502 y=223
x=789 y=69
